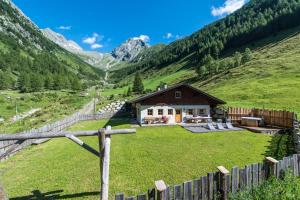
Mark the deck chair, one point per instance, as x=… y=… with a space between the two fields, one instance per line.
x=220 y=125
x=210 y=125
x=229 y=124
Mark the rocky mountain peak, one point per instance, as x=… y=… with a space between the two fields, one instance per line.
x=59 y=39
x=130 y=49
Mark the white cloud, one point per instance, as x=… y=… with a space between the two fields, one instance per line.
x=64 y=27
x=178 y=37
x=145 y=38
x=96 y=46
x=168 y=36
x=229 y=7
x=93 y=39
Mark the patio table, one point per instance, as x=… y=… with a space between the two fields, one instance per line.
x=198 y=118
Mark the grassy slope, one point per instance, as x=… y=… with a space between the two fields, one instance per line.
x=270 y=80
x=169 y=153
x=54 y=105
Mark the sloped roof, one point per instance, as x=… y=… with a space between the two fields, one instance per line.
x=139 y=99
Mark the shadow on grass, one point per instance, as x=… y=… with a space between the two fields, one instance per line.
x=118 y=121
x=281 y=145
x=38 y=195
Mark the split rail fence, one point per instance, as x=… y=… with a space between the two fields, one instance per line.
x=219 y=185
x=274 y=118
x=9 y=148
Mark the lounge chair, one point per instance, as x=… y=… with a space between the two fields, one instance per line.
x=210 y=126
x=220 y=125
x=228 y=124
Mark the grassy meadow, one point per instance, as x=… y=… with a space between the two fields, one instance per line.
x=169 y=153
x=271 y=80
x=54 y=105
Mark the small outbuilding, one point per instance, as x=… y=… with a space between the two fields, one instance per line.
x=181 y=103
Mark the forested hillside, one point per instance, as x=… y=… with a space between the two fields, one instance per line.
x=256 y=20
x=31 y=62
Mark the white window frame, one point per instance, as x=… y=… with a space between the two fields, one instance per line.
x=148 y=112
x=160 y=109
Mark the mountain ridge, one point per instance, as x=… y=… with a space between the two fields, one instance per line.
x=27 y=55
x=103 y=61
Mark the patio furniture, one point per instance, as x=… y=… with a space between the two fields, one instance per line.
x=210 y=126
x=149 y=120
x=220 y=125
x=197 y=119
x=251 y=121
x=229 y=124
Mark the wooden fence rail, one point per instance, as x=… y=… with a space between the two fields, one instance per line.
x=219 y=185
x=277 y=118
x=9 y=148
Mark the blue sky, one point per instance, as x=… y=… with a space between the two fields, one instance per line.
x=104 y=24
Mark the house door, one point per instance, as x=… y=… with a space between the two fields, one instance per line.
x=178 y=116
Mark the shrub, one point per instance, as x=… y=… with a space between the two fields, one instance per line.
x=287 y=188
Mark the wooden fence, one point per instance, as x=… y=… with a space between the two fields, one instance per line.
x=9 y=148
x=273 y=118
x=3 y=196
x=219 y=185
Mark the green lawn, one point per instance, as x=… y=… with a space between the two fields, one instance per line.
x=169 y=153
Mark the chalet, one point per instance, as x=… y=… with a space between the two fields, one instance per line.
x=177 y=104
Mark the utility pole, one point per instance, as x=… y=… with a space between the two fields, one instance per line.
x=16 y=105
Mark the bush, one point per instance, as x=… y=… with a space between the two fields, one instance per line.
x=287 y=188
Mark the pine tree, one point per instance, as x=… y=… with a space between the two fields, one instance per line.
x=24 y=83
x=237 y=59
x=247 y=56
x=138 y=86
x=129 y=91
x=49 y=82
x=37 y=82
x=76 y=85
x=202 y=71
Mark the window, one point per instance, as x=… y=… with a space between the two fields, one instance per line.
x=150 y=112
x=170 y=111
x=190 y=112
x=178 y=112
x=202 y=112
x=160 y=112
x=178 y=94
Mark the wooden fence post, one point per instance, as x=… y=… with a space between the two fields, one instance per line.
x=120 y=196
x=104 y=141
x=161 y=188
x=271 y=163
x=151 y=194
x=224 y=182
x=187 y=190
x=235 y=179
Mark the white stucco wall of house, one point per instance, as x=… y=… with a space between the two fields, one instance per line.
x=142 y=111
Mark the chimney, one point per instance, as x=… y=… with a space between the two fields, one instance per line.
x=158 y=88
x=165 y=86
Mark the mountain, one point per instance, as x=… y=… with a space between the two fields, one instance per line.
x=130 y=49
x=99 y=60
x=148 y=53
x=59 y=39
x=256 y=20
x=29 y=61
